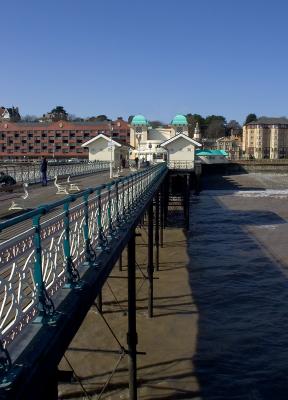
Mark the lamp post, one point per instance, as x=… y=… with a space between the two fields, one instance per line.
x=138 y=137
x=111 y=148
x=150 y=153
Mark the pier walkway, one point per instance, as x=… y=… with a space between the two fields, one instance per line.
x=54 y=260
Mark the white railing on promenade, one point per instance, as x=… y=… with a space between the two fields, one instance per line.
x=42 y=250
x=30 y=172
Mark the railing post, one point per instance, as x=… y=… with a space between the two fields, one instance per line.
x=118 y=218
x=73 y=277
x=46 y=308
x=132 y=333
x=124 y=194
x=90 y=254
x=111 y=230
x=102 y=239
x=150 y=267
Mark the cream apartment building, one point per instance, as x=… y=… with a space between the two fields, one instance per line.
x=266 y=138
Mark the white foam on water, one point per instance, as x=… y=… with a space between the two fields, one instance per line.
x=269 y=227
x=272 y=193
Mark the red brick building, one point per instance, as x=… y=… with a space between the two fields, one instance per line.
x=60 y=139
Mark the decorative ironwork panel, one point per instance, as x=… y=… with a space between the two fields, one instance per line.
x=17 y=288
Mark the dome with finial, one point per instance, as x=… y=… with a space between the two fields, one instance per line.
x=139 y=120
x=179 y=119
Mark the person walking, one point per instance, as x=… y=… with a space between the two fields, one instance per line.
x=137 y=162
x=43 y=169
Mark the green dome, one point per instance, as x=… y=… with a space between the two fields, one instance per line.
x=179 y=120
x=139 y=120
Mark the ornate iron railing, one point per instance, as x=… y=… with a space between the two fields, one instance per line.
x=30 y=173
x=42 y=250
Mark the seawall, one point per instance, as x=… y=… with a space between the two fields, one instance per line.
x=244 y=167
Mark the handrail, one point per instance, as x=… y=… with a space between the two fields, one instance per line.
x=48 y=245
x=30 y=173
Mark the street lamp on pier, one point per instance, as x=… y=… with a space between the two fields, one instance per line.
x=139 y=137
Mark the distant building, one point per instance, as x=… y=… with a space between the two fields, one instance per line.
x=266 y=138
x=232 y=145
x=62 y=139
x=103 y=148
x=212 y=156
x=171 y=143
x=9 y=114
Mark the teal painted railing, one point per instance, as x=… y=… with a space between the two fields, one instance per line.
x=41 y=251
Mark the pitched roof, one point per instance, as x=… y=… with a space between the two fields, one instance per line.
x=116 y=142
x=270 y=121
x=181 y=135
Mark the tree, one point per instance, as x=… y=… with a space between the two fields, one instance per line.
x=233 y=127
x=30 y=118
x=215 y=129
x=99 y=118
x=74 y=118
x=250 y=118
x=215 y=126
x=58 y=113
x=156 y=124
x=130 y=118
x=192 y=120
x=102 y=118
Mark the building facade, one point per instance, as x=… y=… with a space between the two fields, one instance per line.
x=62 y=139
x=232 y=145
x=266 y=138
x=169 y=144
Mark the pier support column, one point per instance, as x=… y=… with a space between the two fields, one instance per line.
x=150 y=267
x=187 y=200
x=132 y=333
x=99 y=302
x=162 y=216
x=166 y=185
x=157 y=230
x=51 y=388
x=120 y=262
x=198 y=171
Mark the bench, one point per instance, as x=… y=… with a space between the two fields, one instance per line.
x=61 y=188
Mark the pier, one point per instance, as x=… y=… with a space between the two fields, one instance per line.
x=55 y=260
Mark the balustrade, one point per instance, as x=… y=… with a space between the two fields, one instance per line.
x=30 y=173
x=44 y=250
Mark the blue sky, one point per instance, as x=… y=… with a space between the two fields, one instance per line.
x=154 y=57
